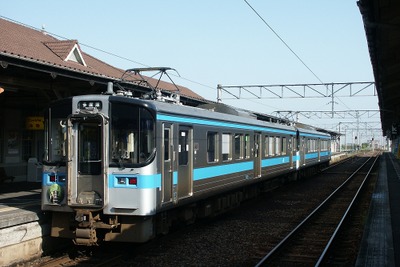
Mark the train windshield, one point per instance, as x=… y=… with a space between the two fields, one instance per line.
x=132 y=135
x=90 y=147
x=56 y=132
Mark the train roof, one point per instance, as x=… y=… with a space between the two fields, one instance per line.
x=214 y=111
x=312 y=131
x=223 y=113
x=229 y=114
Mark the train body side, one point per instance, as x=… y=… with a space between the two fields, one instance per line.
x=197 y=154
x=314 y=149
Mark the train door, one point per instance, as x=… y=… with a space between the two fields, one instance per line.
x=167 y=163
x=296 y=149
x=290 y=146
x=86 y=176
x=185 y=161
x=318 y=148
x=257 y=155
x=303 y=151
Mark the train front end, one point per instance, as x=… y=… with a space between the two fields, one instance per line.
x=98 y=149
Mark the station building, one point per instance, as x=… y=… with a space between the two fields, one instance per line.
x=37 y=68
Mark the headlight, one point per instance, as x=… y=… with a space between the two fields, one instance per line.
x=90 y=105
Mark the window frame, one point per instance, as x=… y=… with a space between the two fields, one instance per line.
x=212 y=152
x=226 y=146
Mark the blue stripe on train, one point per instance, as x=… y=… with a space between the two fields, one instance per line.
x=208 y=172
x=325 y=153
x=274 y=161
x=315 y=155
x=311 y=155
x=154 y=181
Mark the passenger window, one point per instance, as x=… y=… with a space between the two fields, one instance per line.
x=271 y=146
x=266 y=146
x=238 y=146
x=226 y=147
x=212 y=151
x=324 y=145
x=277 y=146
x=284 y=145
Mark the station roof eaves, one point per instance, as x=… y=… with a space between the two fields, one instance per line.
x=382 y=23
x=28 y=44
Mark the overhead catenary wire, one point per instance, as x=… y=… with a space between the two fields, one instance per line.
x=112 y=54
x=119 y=56
x=283 y=41
x=81 y=44
x=286 y=44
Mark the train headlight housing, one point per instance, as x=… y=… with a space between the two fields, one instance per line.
x=52 y=178
x=62 y=178
x=132 y=181
x=126 y=181
x=121 y=180
x=90 y=105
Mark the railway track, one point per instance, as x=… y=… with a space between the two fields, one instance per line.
x=240 y=238
x=311 y=241
x=82 y=258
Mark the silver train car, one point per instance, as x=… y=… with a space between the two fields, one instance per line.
x=119 y=168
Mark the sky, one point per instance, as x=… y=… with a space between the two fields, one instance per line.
x=223 y=42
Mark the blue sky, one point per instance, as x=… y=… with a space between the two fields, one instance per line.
x=220 y=42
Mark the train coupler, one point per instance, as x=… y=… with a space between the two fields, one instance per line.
x=85 y=232
x=85 y=237
x=88 y=223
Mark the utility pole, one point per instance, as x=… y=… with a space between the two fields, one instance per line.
x=339 y=136
x=219 y=93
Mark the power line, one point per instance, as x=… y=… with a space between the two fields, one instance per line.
x=103 y=51
x=283 y=41
x=82 y=44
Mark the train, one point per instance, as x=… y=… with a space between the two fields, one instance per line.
x=124 y=169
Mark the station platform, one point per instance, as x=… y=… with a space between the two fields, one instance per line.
x=19 y=203
x=380 y=246
x=24 y=228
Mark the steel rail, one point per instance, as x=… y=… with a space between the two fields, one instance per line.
x=338 y=163
x=315 y=211
x=345 y=216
